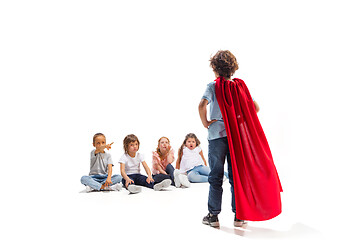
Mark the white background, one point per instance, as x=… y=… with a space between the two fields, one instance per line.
x=69 y=69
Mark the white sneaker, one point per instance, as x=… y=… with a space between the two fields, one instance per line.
x=176 y=178
x=116 y=187
x=134 y=189
x=88 y=189
x=184 y=181
x=163 y=184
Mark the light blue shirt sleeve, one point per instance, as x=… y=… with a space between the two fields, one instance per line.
x=209 y=93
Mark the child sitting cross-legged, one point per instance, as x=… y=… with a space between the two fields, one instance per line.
x=100 y=176
x=130 y=168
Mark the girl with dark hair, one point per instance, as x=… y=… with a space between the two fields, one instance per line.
x=191 y=160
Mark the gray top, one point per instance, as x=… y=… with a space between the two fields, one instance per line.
x=216 y=129
x=99 y=163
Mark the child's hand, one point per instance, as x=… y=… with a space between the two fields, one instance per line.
x=168 y=149
x=102 y=148
x=108 y=182
x=128 y=181
x=108 y=146
x=149 y=180
x=209 y=123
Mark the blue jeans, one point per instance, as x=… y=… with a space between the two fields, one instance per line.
x=218 y=151
x=139 y=180
x=199 y=174
x=96 y=181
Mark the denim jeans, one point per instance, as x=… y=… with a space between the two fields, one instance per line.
x=218 y=151
x=199 y=174
x=96 y=181
x=160 y=177
x=139 y=180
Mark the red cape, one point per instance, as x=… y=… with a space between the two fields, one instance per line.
x=256 y=182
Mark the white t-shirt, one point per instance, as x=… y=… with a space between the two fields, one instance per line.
x=190 y=159
x=132 y=165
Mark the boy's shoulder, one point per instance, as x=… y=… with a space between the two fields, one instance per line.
x=211 y=84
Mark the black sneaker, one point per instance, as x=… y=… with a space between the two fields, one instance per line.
x=211 y=220
x=238 y=222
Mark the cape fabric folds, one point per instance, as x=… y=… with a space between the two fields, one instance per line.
x=256 y=182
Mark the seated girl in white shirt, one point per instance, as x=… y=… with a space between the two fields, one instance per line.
x=191 y=160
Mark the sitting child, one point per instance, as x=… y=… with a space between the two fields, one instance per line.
x=163 y=158
x=130 y=168
x=101 y=167
x=191 y=160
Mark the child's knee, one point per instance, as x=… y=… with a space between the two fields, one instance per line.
x=116 y=178
x=84 y=179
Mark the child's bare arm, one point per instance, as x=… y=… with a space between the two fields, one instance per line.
x=159 y=168
x=202 y=156
x=171 y=156
x=148 y=172
x=178 y=162
x=102 y=148
x=124 y=175
x=108 y=146
x=147 y=169
x=257 y=108
x=202 y=113
x=108 y=179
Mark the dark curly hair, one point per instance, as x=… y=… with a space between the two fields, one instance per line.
x=224 y=63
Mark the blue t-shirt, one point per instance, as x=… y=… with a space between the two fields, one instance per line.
x=216 y=129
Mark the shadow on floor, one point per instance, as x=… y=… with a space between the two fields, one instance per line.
x=297 y=230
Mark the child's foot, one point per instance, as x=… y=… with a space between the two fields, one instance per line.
x=184 y=181
x=211 y=220
x=238 y=222
x=106 y=189
x=163 y=184
x=116 y=187
x=176 y=178
x=134 y=189
x=88 y=189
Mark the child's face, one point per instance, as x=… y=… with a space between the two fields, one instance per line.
x=99 y=141
x=190 y=143
x=133 y=147
x=164 y=145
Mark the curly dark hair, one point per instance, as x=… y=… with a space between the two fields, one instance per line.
x=224 y=63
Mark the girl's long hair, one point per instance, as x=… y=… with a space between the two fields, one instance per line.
x=190 y=135
x=158 y=148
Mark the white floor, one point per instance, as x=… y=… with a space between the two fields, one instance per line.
x=52 y=213
x=177 y=213
x=174 y=213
